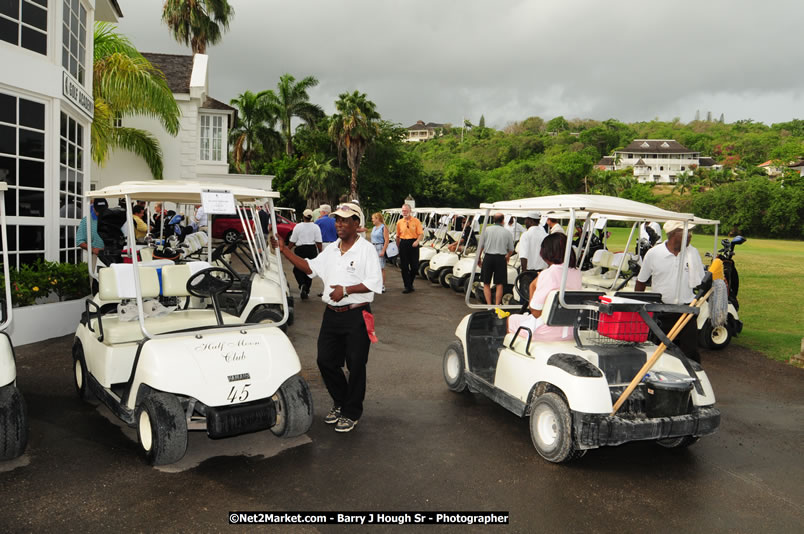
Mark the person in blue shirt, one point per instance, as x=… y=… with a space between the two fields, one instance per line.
x=327 y=225
x=98 y=206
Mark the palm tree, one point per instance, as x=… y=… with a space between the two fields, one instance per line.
x=254 y=129
x=197 y=22
x=291 y=100
x=352 y=129
x=125 y=83
x=316 y=180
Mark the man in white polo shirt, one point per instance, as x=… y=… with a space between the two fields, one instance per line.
x=661 y=265
x=306 y=237
x=530 y=244
x=350 y=270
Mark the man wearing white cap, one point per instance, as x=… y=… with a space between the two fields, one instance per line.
x=661 y=266
x=350 y=270
x=306 y=237
x=530 y=244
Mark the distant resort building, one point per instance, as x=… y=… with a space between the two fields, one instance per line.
x=422 y=132
x=774 y=170
x=658 y=161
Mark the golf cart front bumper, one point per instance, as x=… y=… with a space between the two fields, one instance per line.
x=225 y=421
x=597 y=430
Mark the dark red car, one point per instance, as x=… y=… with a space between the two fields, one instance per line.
x=229 y=227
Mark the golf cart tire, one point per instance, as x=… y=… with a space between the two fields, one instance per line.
x=161 y=428
x=458 y=284
x=80 y=374
x=268 y=315
x=715 y=338
x=231 y=235
x=551 y=428
x=480 y=296
x=681 y=442
x=423 y=269
x=13 y=423
x=443 y=275
x=508 y=298
x=453 y=367
x=294 y=408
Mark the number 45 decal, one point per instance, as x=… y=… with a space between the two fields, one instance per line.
x=238 y=394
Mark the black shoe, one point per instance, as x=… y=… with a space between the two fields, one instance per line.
x=305 y=295
x=407 y=290
x=320 y=294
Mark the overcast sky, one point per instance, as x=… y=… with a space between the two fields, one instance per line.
x=442 y=60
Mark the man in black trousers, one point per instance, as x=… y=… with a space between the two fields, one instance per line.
x=306 y=237
x=350 y=270
x=408 y=233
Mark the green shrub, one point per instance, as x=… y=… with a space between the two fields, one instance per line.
x=38 y=280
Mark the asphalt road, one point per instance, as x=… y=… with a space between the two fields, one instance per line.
x=418 y=447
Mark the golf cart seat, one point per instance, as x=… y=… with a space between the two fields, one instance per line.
x=556 y=315
x=116 y=283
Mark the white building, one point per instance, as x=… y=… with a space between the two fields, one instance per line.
x=657 y=161
x=46 y=110
x=422 y=132
x=200 y=151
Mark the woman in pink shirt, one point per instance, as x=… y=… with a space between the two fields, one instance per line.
x=552 y=253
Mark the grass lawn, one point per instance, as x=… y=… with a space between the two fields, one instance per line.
x=771 y=289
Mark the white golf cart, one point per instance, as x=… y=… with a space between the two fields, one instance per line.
x=439 y=268
x=13 y=414
x=569 y=388
x=166 y=370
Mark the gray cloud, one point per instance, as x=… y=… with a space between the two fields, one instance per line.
x=444 y=60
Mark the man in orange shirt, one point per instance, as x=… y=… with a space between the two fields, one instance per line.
x=408 y=232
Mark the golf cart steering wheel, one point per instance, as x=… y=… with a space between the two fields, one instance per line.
x=209 y=282
x=522 y=285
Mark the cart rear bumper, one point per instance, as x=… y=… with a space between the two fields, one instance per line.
x=239 y=419
x=597 y=430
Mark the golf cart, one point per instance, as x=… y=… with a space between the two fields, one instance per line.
x=590 y=390
x=13 y=413
x=167 y=369
x=718 y=337
x=439 y=269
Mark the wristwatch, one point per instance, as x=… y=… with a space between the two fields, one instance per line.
x=345 y=293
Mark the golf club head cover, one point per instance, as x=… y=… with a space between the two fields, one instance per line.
x=368 y=318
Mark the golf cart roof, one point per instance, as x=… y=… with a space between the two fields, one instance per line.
x=588 y=204
x=179 y=191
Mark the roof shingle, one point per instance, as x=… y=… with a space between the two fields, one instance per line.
x=178 y=69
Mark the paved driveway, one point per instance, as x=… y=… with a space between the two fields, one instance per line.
x=418 y=447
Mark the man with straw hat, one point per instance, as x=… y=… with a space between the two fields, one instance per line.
x=350 y=270
x=661 y=265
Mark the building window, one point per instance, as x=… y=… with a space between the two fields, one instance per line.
x=24 y=23
x=117 y=122
x=71 y=186
x=74 y=38
x=22 y=167
x=212 y=138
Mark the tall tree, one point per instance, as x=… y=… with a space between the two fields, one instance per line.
x=316 y=180
x=125 y=83
x=197 y=23
x=291 y=100
x=352 y=129
x=253 y=131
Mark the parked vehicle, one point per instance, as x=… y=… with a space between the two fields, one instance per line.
x=167 y=371
x=569 y=389
x=719 y=337
x=13 y=411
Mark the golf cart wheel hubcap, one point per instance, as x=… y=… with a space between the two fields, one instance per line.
x=547 y=428
x=453 y=366
x=720 y=334
x=79 y=374
x=146 y=435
